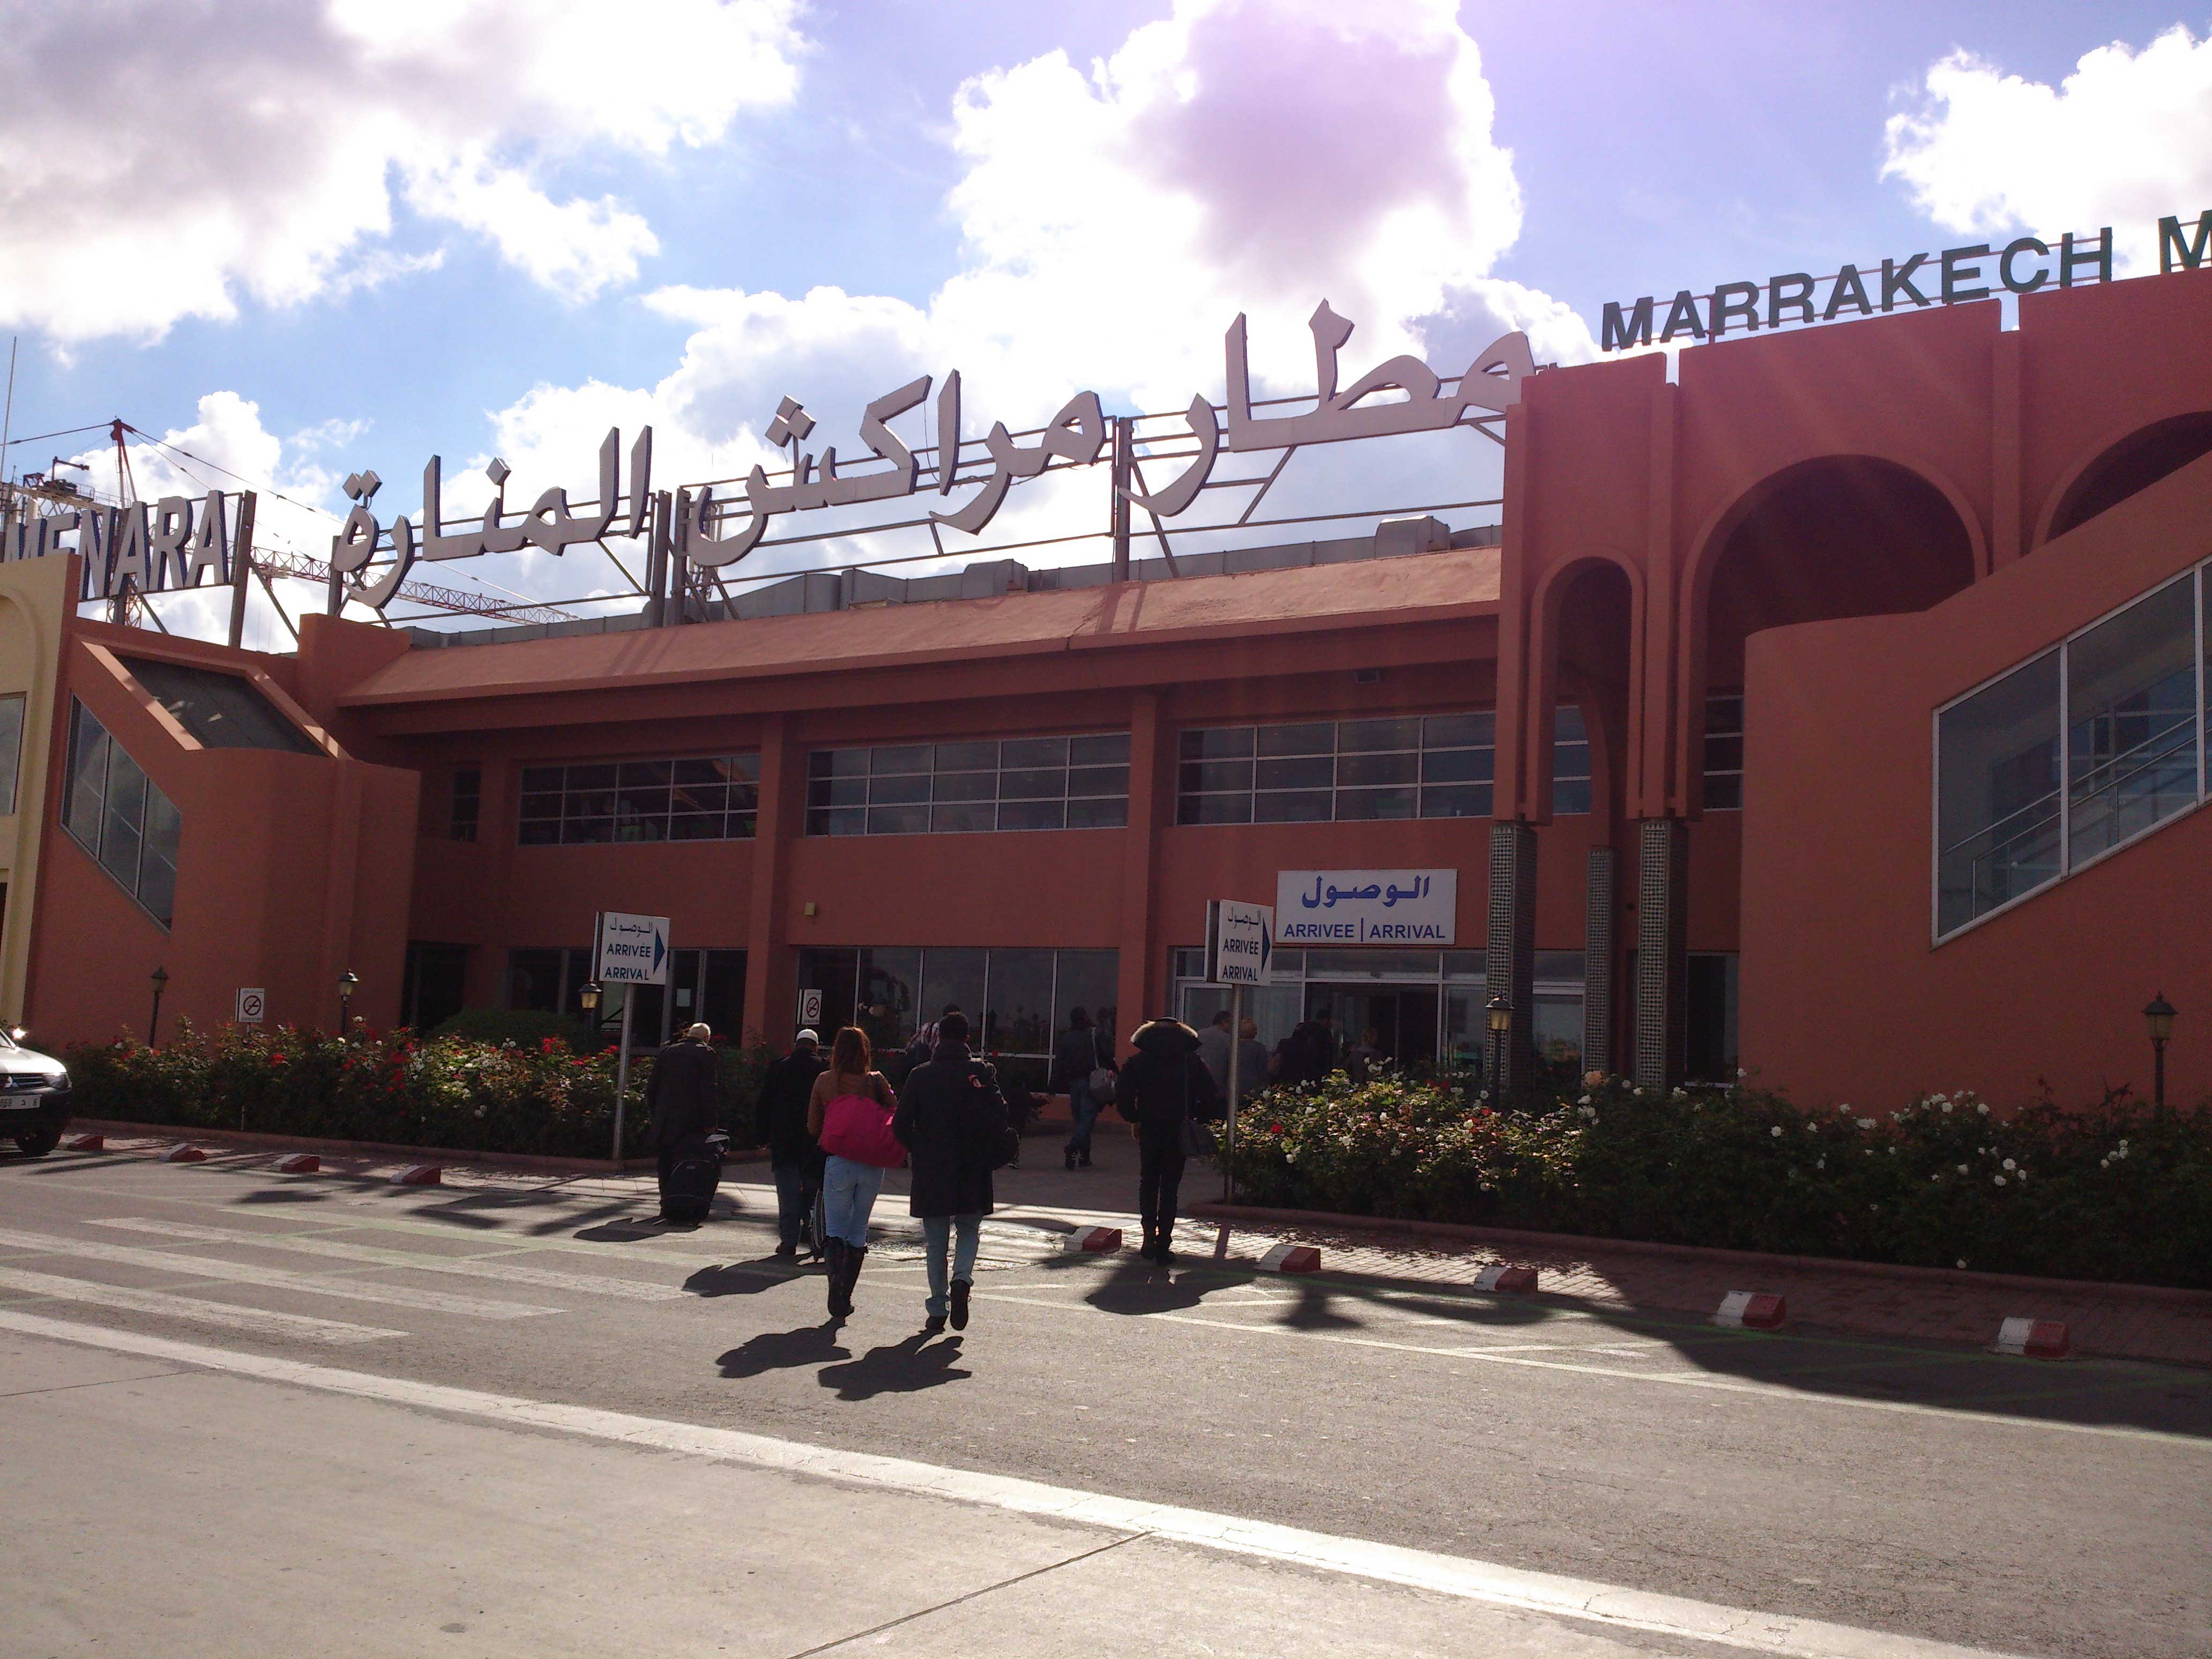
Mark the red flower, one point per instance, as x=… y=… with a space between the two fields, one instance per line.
x=1274 y=1128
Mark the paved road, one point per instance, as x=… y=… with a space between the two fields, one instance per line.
x=385 y=1403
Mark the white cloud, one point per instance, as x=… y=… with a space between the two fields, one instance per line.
x=2123 y=141
x=158 y=161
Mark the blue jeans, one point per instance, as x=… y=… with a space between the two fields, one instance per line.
x=939 y=1231
x=849 y=1193
x=1084 y=1110
x=791 y=1201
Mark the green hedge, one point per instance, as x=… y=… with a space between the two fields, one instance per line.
x=447 y=1091
x=2121 y=1190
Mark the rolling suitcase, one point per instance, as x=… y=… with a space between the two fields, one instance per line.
x=688 y=1191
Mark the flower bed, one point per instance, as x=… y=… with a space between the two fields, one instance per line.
x=2122 y=1191
x=541 y=1098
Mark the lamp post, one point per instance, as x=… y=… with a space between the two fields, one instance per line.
x=1499 y=1014
x=587 y=997
x=347 y=981
x=154 y=1019
x=2158 y=1016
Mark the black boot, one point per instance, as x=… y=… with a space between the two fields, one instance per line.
x=1070 y=1158
x=960 y=1289
x=856 y=1256
x=834 y=1251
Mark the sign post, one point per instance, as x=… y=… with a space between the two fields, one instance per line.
x=1240 y=947
x=627 y=950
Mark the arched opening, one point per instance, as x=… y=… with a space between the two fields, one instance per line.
x=2134 y=464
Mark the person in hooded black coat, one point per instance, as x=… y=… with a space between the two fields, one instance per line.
x=951 y=1116
x=1161 y=1084
x=684 y=1095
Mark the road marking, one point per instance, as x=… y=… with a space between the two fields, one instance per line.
x=260 y=1321
x=482 y=1267
x=1471 y=1580
x=1504 y=1355
x=278 y=1279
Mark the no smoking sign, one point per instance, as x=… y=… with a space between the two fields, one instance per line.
x=253 y=1001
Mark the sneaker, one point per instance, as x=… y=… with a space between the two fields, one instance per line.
x=960 y=1289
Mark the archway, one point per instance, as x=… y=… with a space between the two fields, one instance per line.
x=2136 y=461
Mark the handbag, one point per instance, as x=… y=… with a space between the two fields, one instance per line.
x=1101 y=1086
x=859 y=1126
x=1198 y=1139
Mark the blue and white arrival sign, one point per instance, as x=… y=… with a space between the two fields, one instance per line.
x=1366 y=907
x=1240 y=942
x=632 y=949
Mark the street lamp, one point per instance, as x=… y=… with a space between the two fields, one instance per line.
x=153 y=1020
x=587 y=997
x=347 y=981
x=1499 y=1014
x=2158 y=1016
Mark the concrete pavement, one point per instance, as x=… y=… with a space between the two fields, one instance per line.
x=1924 y=1491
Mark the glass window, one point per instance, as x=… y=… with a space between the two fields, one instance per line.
x=890 y=996
x=985 y=784
x=1018 y=1013
x=836 y=974
x=120 y=816
x=1724 y=753
x=465 y=803
x=1997 y=807
x=1087 y=980
x=11 y=749
x=1571 y=760
x=711 y=799
x=533 y=980
x=953 y=977
x=2132 y=705
x=1434 y=766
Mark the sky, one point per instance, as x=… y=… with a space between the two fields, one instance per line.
x=298 y=239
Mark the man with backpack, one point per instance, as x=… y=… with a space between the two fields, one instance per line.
x=685 y=1098
x=952 y=1118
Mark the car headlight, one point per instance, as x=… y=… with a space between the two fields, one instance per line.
x=61 y=1080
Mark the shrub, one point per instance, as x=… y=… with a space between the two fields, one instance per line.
x=2120 y=1191
x=526 y=1027
x=446 y=1091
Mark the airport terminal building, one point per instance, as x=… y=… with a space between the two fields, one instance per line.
x=1833 y=708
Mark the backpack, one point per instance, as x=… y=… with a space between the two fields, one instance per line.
x=986 y=1137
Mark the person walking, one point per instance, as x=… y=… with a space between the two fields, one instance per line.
x=952 y=1118
x=1074 y=1058
x=684 y=1101
x=780 y=1118
x=849 y=1112
x=1213 y=1045
x=1163 y=1082
x=1251 y=1060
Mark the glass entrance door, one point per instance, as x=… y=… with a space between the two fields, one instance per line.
x=1403 y=1018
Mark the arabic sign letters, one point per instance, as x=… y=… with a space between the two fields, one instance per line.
x=1366 y=907
x=632 y=949
x=1240 y=943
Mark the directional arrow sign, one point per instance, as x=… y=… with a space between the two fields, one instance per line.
x=632 y=949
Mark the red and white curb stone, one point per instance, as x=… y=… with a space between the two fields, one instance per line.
x=300 y=1164
x=85 y=1144
x=1092 y=1241
x=1752 y=1310
x=2033 y=1339
x=1499 y=1277
x=184 y=1153
x=420 y=1175
x=1292 y=1258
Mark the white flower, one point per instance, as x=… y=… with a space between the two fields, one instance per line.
x=2009 y=1164
x=1739 y=1072
x=1962 y=1261
x=1585 y=1100
x=2106 y=1161
x=2000 y=1181
x=1866 y=1123
x=1776 y=1132
x=1893 y=1152
x=1983 y=1107
x=1822 y=1165
x=1947 y=1106
x=1941 y=1098
x=1962 y=1169
x=1938 y=1176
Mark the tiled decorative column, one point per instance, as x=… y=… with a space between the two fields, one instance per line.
x=1598 y=957
x=1660 y=1052
x=1509 y=958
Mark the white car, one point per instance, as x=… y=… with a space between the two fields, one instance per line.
x=34 y=1095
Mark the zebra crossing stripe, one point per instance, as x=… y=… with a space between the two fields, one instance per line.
x=503 y=1268
x=255 y=1321
x=278 y=1279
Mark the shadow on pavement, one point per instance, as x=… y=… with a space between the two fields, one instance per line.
x=778 y=1350
x=907 y=1367
x=740 y=1277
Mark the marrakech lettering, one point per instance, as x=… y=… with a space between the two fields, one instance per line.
x=1953 y=276
x=697 y=522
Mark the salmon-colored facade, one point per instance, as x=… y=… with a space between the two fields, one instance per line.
x=1831 y=541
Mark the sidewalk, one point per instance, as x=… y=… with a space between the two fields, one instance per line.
x=1615 y=1275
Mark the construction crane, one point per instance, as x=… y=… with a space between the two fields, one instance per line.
x=276 y=562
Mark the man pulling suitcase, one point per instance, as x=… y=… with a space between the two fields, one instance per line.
x=685 y=1104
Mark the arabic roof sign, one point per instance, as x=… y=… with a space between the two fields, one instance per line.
x=1366 y=907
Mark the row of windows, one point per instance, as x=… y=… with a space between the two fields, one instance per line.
x=638 y=801
x=1017 y=1001
x=1435 y=766
x=11 y=749
x=119 y=815
x=1724 y=753
x=1014 y=783
x=2069 y=755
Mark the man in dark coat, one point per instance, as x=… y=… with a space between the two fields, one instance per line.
x=684 y=1100
x=779 y=1122
x=952 y=1118
x=1162 y=1084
